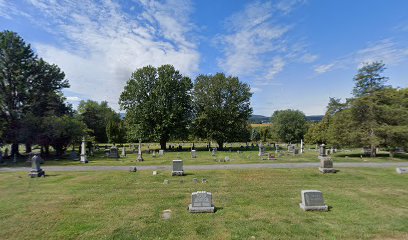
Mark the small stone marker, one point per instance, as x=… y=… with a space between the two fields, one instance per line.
x=154 y=154
x=326 y=165
x=193 y=153
x=226 y=159
x=83 y=152
x=36 y=170
x=204 y=180
x=154 y=173
x=166 y=181
x=214 y=152
x=402 y=170
x=312 y=200
x=177 y=168
x=195 y=180
x=132 y=169
x=161 y=152
x=166 y=215
x=201 y=202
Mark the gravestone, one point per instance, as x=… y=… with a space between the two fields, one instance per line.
x=326 y=164
x=154 y=173
x=161 y=152
x=83 y=152
x=36 y=170
x=201 y=202
x=214 y=151
x=166 y=181
x=322 y=150
x=402 y=170
x=193 y=153
x=261 y=150
x=139 y=153
x=312 y=200
x=177 y=168
x=132 y=169
x=123 y=152
x=73 y=155
x=271 y=156
x=302 y=147
x=204 y=180
x=226 y=159
x=154 y=154
x=113 y=152
x=195 y=180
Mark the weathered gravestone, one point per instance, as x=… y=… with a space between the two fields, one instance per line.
x=73 y=155
x=326 y=165
x=154 y=154
x=161 y=152
x=261 y=150
x=312 y=200
x=322 y=150
x=201 y=202
x=195 y=180
x=177 y=168
x=402 y=170
x=36 y=170
x=214 y=151
x=193 y=153
x=113 y=152
x=123 y=152
x=139 y=153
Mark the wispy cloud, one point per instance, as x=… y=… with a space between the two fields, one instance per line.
x=99 y=44
x=256 y=45
x=73 y=99
x=386 y=50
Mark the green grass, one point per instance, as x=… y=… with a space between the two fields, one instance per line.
x=365 y=204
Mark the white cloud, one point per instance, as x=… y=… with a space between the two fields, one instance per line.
x=73 y=99
x=386 y=50
x=256 y=46
x=100 y=45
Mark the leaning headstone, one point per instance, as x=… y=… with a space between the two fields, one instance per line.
x=132 y=169
x=177 y=168
x=83 y=152
x=161 y=152
x=402 y=170
x=36 y=170
x=201 y=202
x=193 y=153
x=312 y=200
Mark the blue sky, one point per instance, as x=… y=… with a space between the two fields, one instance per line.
x=294 y=53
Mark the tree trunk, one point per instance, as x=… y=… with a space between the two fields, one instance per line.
x=28 y=147
x=14 y=150
x=220 y=145
x=163 y=144
x=47 y=150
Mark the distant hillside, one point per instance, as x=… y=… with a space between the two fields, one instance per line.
x=258 y=119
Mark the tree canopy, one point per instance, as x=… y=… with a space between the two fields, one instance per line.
x=222 y=108
x=288 y=125
x=158 y=104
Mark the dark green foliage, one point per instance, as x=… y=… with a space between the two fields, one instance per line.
x=158 y=104
x=369 y=79
x=255 y=135
x=222 y=108
x=289 y=125
x=96 y=116
x=116 y=132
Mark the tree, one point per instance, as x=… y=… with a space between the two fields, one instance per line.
x=17 y=62
x=369 y=79
x=158 y=104
x=116 y=131
x=255 y=135
x=96 y=116
x=222 y=108
x=289 y=125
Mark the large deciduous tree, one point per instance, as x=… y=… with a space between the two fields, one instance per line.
x=222 y=108
x=96 y=116
x=158 y=104
x=289 y=125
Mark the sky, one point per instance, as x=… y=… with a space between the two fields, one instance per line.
x=294 y=54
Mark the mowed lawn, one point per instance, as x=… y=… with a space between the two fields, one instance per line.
x=260 y=204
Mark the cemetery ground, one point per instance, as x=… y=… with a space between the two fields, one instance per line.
x=204 y=157
x=250 y=204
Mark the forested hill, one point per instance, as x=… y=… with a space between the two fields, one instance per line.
x=263 y=119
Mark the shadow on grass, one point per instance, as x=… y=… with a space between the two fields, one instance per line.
x=379 y=155
x=216 y=209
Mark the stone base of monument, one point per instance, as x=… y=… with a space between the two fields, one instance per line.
x=327 y=170
x=323 y=208
x=37 y=173
x=402 y=170
x=201 y=209
x=83 y=159
x=177 y=173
